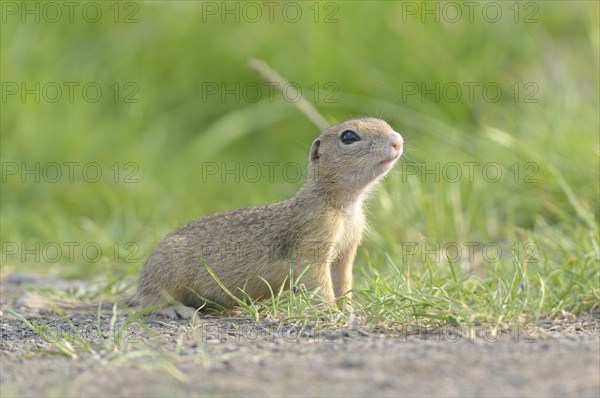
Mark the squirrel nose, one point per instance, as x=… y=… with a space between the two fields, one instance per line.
x=397 y=142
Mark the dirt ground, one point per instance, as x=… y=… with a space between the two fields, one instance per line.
x=239 y=357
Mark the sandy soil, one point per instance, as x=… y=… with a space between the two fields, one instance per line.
x=237 y=356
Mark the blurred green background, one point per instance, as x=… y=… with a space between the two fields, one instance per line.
x=159 y=121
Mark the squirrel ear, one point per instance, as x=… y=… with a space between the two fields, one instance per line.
x=314 y=150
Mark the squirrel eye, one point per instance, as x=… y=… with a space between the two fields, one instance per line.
x=349 y=136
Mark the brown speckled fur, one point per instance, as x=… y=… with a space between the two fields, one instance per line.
x=320 y=227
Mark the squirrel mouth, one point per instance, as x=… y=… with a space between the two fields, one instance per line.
x=389 y=160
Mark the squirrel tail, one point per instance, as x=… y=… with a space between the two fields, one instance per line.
x=40 y=304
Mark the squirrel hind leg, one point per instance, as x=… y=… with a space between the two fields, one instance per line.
x=170 y=309
x=176 y=312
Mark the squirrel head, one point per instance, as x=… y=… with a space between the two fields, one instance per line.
x=350 y=157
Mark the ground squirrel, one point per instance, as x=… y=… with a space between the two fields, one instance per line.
x=316 y=231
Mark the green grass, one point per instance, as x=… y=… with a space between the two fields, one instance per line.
x=545 y=224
